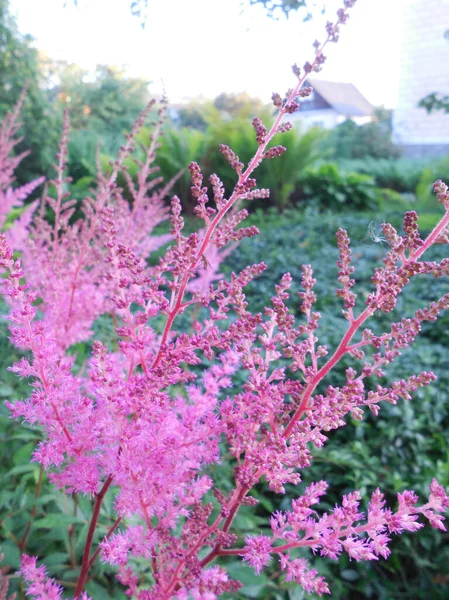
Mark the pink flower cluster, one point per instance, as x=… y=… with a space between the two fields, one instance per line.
x=147 y=418
x=12 y=198
x=345 y=529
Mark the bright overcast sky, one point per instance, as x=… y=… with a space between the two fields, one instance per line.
x=204 y=47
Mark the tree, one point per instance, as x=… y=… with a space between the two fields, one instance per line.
x=435 y=101
x=139 y=8
x=239 y=105
x=111 y=99
x=275 y=7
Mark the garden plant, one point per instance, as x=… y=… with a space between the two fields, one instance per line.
x=196 y=399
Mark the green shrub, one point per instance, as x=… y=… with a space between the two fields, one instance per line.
x=327 y=186
x=180 y=146
x=399 y=174
x=349 y=140
x=281 y=177
x=178 y=149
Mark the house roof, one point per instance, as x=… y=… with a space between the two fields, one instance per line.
x=344 y=97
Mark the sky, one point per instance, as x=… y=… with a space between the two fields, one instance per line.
x=200 y=48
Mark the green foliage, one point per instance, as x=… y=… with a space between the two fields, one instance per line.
x=276 y=7
x=178 y=149
x=434 y=171
x=108 y=103
x=280 y=176
x=435 y=101
x=83 y=148
x=327 y=186
x=349 y=140
x=191 y=116
x=399 y=174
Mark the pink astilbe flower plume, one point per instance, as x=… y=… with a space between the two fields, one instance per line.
x=148 y=420
x=67 y=259
x=12 y=198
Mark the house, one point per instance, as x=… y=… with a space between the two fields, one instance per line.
x=423 y=70
x=332 y=103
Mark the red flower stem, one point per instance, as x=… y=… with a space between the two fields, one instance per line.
x=85 y=566
x=335 y=358
x=236 y=505
x=106 y=537
x=340 y=351
x=253 y=164
x=230 y=552
x=216 y=551
x=344 y=347
x=174 y=580
x=243 y=177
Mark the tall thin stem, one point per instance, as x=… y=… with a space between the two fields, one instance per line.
x=85 y=565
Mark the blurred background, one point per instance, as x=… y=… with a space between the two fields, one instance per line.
x=365 y=147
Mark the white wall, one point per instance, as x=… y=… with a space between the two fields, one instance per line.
x=326 y=119
x=424 y=69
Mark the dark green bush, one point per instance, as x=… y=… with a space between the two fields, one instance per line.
x=180 y=146
x=349 y=140
x=330 y=187
x=399 y=174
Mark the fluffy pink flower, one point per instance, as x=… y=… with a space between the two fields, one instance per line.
x=38 y=585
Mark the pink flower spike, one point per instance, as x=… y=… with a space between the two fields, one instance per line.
x=38 y=585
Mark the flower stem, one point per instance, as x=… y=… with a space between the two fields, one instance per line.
x=86 y=564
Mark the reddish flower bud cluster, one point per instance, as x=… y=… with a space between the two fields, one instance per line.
x=260 y=129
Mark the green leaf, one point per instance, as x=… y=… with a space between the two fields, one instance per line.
x=56 y=520
x=55 y=559
x=11 y=554
x=99 y=592
x=29 y=468
x=23 y=454
x=253 y=584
